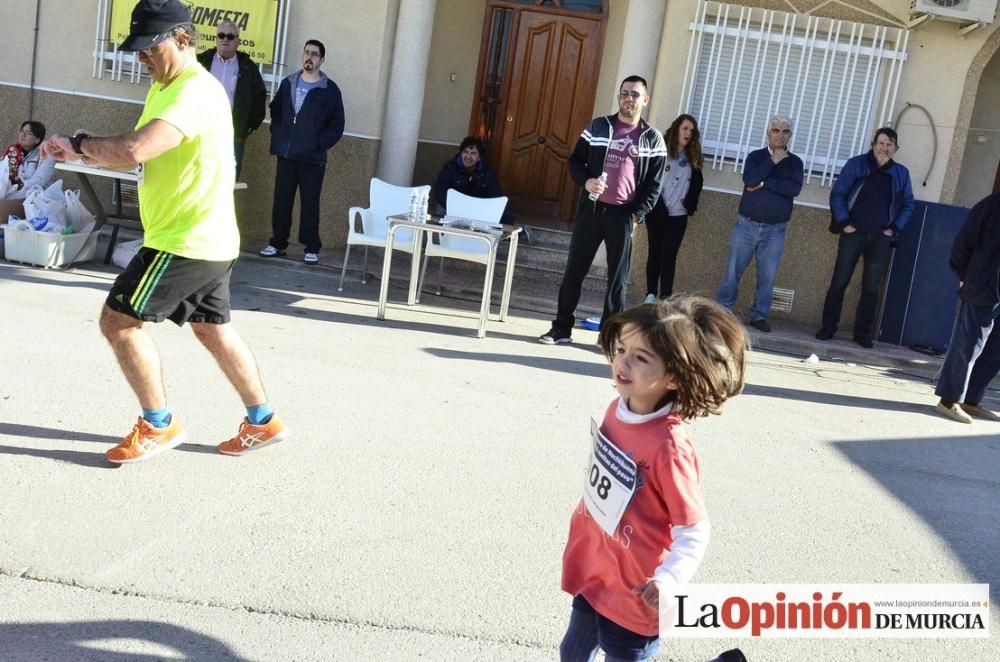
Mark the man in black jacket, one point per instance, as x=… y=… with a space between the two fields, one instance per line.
x=973 y=358
x=618 y=161
x=467 y=173
x=307 y=119
x=244 y=85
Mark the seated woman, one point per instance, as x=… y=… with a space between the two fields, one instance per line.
x=466 y=173
x=667 y=222
x=24 y=161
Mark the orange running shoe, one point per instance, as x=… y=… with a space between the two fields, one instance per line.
x=251 y=437
x=146 y=441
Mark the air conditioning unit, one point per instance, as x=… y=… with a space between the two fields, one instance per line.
x=965 y=11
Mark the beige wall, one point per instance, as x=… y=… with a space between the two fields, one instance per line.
x=455 y=47
x=982 y=148
x=357 y=55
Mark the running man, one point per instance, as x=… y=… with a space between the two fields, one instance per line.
x=187 y=173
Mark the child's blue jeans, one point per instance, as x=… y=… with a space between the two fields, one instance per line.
x=589 y=632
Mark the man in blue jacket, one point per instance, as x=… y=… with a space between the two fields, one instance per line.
x=772 y=177
x=307 y=119
x=871 y=203
x=973 y=358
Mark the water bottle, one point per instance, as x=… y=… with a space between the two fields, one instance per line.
x=604 y=180
x=414 y=206
x=422 y=210
x=734 y=655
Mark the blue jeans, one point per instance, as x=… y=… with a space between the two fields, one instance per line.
x=589 y=632
x=973 y=358
x=766 y=241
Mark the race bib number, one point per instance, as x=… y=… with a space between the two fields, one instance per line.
x=610 y=482
x=141 y=172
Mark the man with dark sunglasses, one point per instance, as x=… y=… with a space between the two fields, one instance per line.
x=618 y=163
x=180 y=146
x=244 y=85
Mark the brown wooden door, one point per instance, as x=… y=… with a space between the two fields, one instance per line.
x=554 y=62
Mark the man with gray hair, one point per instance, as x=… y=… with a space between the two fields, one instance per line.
x=244 y=85
x=191 y=242
x=772 y=177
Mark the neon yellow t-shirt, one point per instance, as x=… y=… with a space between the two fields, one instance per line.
x=186 y=193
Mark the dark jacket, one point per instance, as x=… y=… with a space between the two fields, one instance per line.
x=317 y=127
x=250 y=99
x=975 y=254
x=782 y=182
x=481 y=183
x=852 y=178
x=587 y=161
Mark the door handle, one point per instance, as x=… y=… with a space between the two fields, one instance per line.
x=541 y=140
x=510 y=118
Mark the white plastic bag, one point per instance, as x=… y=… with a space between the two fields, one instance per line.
x=76 y=214
x=6 y=188
x=124 y=252
x=38 y=206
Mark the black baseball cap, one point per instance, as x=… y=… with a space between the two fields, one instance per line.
x=152 y=21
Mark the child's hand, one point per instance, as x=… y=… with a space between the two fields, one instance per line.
x=650 y=594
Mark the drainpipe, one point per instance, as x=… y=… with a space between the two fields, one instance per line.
x=34 y=60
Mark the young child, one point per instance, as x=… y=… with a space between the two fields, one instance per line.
x=671 y=361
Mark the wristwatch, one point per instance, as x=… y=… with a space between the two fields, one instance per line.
x=75 y=140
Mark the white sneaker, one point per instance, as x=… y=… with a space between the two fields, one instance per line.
x=310 y=258
x=270 y=251
x=650 y=298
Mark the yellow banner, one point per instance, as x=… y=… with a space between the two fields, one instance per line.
x=256 y=19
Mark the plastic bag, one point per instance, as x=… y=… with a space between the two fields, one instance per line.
x=6 y=188
x=38 y=204
x=124 y=252
x=76 y=214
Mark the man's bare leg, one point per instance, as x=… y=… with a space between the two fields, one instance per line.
x=235 y=358
x=137 y=356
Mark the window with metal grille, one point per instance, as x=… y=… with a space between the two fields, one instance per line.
x=836 y=80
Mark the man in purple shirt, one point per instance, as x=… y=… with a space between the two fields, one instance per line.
x=618 y=161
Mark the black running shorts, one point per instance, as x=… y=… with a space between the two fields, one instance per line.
x=156 y=286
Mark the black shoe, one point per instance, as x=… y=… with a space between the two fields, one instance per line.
x=556 y=336
x=864 y=341
x=761 y=325
x=825 y=333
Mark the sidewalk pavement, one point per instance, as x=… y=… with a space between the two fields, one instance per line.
x=464 y=284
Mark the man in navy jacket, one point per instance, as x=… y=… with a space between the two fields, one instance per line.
x=973 y=358
x=772 y=177
x=307 y=119
x=871 y=202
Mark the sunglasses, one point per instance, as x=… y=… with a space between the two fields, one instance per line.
x=625 y=94
x=227 y=36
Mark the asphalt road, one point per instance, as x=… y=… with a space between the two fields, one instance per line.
x=420 y=508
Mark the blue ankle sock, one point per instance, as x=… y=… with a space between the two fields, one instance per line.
x=260 y=414
x=158 y=418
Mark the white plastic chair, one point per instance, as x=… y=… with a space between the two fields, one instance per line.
x=488 y=210
x=385 y=200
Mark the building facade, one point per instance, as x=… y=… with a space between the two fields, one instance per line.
x=419 y=75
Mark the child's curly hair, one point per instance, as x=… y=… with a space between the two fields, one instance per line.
x=702 y=345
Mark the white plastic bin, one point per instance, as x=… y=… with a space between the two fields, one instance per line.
x=47 y=249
